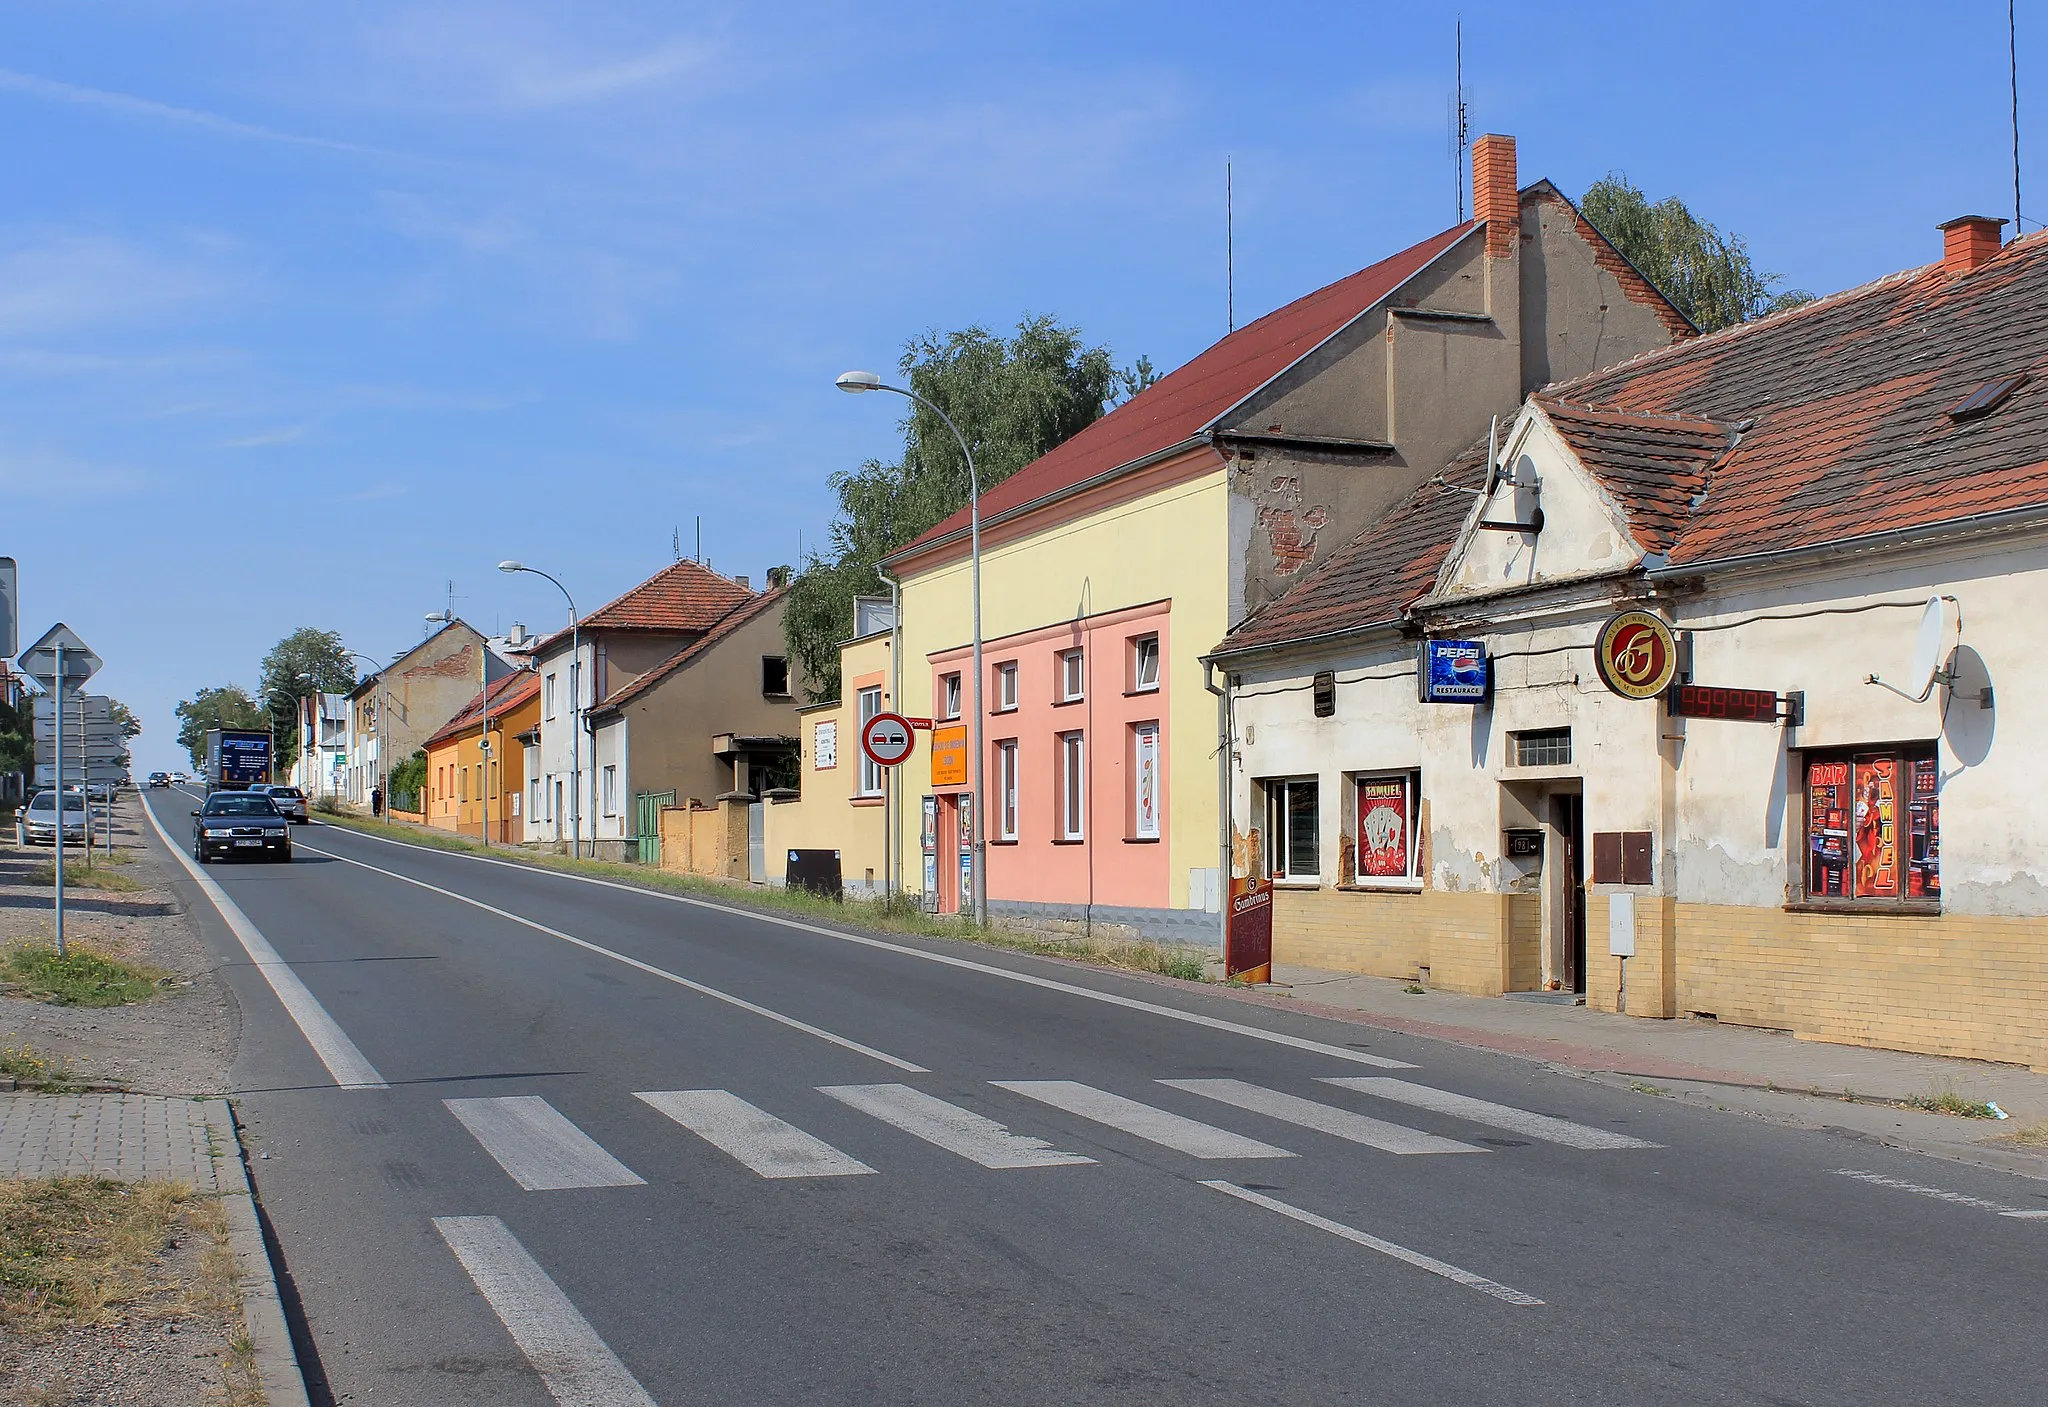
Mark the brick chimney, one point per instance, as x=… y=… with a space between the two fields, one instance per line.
x=1494 y=202
x=1967 y=241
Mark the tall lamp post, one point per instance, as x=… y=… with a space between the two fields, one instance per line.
x=855 y=382
x=575 y=707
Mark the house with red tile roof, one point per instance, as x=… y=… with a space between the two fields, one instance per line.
x=476 y=777
x=1683 y=696
x=1110 y=563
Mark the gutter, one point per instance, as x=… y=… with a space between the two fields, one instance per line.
x=1974 y=524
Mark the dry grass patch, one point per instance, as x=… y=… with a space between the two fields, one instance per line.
x=103 y=874
x=74 y=1248
x=2035 y=1136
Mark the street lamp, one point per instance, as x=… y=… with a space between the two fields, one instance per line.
x=575 y=708
x=855 y=382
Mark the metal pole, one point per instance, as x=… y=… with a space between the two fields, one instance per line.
x=484 y=738
x=57 y=748
x=575 y=734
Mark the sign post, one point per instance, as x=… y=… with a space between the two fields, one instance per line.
x=54 y=661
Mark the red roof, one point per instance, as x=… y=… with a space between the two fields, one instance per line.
x=686 y=596
x=504 y=694
x=696 y=649
x=1186 y=402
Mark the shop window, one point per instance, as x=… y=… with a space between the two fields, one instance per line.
x=949 y=696
x=1145 y=781
x=1873 y=827
x=870 y=703
x=1073 y=675
x=1293 y=828
x=1006 y=789
x=1073 y=786
x=1389 y=844
x=1543 y=747
x=1144 y=664
x=1006 y=686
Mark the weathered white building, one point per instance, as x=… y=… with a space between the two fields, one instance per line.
x=1858 y=487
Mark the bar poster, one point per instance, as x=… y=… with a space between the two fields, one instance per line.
x=1383 y=828
x=1877 y=827
x=1827 y=829
x=1923 y=862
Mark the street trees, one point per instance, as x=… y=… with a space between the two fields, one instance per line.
x=1707 y=273
x=224 y=706
x=1014 y=398
x=307 y=661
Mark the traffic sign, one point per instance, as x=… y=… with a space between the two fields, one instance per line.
x=887 y=739
x=39 y=661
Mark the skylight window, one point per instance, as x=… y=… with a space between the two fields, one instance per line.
x=1987 y=398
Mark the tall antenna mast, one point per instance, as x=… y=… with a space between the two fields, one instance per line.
x=675 y=544
x=1229 y=250
x=2012 y=39
x=1459 y=123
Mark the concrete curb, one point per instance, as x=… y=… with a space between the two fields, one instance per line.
x=277 y=1363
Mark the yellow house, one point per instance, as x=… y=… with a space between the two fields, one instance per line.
x=841 y=795
x=1113 y=563
x=462 y=775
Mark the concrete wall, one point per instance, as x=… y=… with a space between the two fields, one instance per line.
x=708 y=840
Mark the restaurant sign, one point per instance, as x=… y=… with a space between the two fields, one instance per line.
x=1635 y=655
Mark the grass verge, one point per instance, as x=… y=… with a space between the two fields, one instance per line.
x=30 y=1070
x=1947 y=1101
x=2035 y=1136
x=72 y=1248
x=102 y=874
x=890 y=915
x=84 y=976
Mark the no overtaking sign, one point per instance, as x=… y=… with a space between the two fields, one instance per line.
x=887 y=739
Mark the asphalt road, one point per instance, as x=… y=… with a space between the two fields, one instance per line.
x=869 y=1176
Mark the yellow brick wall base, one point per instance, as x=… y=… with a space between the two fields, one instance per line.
x=1457 y=936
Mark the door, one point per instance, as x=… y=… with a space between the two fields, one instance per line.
x=1571 y=909
x=949 y=852
x=647 y=809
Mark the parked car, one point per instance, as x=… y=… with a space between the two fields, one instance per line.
x=239 y=823
x=289 y=800
x=159 y=779
x=36 y=823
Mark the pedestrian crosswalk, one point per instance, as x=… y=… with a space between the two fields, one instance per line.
x=542 y=1150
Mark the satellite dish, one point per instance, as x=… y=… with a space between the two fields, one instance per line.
x=1927 y=651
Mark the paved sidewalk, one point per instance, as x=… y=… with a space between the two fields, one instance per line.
x=125 y=1136
x=1771 y=1073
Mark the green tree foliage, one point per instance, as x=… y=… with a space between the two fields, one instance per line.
x=130 y=725
x=307 y=661
x=228 y=706
x=1707 y=273
x=407 y=778
x=17 y=735
x=1013 y=399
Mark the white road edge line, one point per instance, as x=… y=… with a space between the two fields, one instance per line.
x=584 y=943
x=1386 y=1248
x=1942 y=1194
x=1193 y=1018
x=574 y=1363
x=350 y=1068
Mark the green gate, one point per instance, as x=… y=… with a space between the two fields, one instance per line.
x=647 y=807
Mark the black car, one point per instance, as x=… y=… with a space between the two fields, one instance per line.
x=159 y=779
x=240 y=823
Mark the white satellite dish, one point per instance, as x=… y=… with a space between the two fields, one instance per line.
x=1931 y=650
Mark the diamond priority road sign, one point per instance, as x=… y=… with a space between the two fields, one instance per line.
x=39 y=661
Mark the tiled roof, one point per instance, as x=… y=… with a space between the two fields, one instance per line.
x=686 y=596
x=1654 y=465
x=1373 y=579
x=696 y=649
x=1188 y=401
x=1846 y=400
x=505 y=695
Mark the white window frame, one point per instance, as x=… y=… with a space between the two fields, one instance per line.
x=1073 y=675
x=1282 y=851
x=1006 y=686
x=1142 y=778
x=1006 y=789
x=1140 y=653
x=533 y=802
x=1411 y=784
x=949 y=695
x=869 y=703
x=548 y=688
x=1073 y=786
x=611 y=790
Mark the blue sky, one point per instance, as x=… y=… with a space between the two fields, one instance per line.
x=366 y=297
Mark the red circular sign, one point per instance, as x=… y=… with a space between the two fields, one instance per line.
x=886 y=739
x=1635 y=655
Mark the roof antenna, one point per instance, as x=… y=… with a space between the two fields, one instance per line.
x=1229 y=249
x=2012 y=40
x=675 y=544
x=1460 y=122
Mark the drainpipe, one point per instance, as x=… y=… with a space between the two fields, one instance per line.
x=1224 y=825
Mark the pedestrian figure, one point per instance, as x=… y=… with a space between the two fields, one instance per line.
x=376 y=801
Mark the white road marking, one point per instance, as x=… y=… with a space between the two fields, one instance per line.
x=634 y=963
x=1941 y=1194
x=1483 y=1111
x=755 y=1137
x=1192 y=1018
x=1189 y=1136
x=952 y=1128
x=574 y=1363
x=1385 y=1248
x=1342 y=1123
x=539 y=1148
x=350 y=1068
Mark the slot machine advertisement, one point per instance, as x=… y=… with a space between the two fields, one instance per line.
x=1877 y=827
x=1827 y=829
x=1923 y=862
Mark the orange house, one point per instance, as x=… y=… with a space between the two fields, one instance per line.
x=462 y=775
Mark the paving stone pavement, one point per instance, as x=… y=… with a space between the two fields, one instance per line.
x=126 y=1136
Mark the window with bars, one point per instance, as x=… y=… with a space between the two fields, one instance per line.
x=1542 y=747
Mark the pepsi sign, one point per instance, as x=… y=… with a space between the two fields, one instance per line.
x=1453 y=671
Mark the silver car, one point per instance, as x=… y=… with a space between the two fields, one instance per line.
x=288 y=800
x=36 y=824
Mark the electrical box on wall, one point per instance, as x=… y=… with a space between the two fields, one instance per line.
x=1621 y=925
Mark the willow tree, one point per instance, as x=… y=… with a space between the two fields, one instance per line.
x=1707 y=273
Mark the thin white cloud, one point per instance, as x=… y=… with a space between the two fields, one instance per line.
x=149 y=109
x=539 y=85
x=267 y=438
x=63 y=281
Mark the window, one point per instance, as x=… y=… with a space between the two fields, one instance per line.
x=611 y=791
x=533 y=801
x=1873 y=827
x=1073 y=675
x=465 y=785
x=1292 y=823
x=1387 y=816
x=1144 y=664
x=870 y=702
x=1543 y=747
x=1006 y=686
x=557 y=809
x=1073 y=786
x=547 y=688
x=775 y=676
x=1145 y=781
x=1006 y=789
x=949 y=696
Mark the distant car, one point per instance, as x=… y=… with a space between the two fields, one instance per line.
x=238 y=823
x=289 y=800
x=180 y=778
x=36 y=824
x=159 y=779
